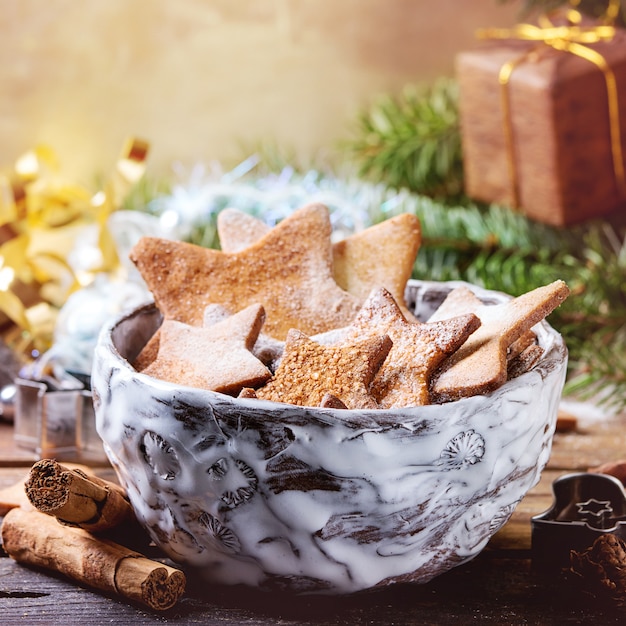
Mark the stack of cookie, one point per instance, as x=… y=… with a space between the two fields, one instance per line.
x=286 y=315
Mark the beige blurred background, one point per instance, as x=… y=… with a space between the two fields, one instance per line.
x=204 y=80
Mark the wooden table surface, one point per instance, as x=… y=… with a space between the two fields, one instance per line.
x=498 y=587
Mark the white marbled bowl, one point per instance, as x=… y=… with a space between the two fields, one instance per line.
x=318 y=500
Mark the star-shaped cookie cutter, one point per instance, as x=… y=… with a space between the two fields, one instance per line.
x=586 y=505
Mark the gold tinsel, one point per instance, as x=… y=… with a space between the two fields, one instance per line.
x=42 y=217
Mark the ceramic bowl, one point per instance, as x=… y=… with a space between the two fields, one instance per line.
x=316 y=500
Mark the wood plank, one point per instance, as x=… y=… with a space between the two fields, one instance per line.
x=491 y=590
x=10 y=454
x=13 y=455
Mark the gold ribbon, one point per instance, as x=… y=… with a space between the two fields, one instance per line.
x=41 y=219
x=575 y=39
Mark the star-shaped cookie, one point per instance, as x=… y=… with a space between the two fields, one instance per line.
x=463 y=300
x=417 y=349
x=480 y=365
x=382 y=255
x=216 y=357
x=212 y=314
x=237 y=230
x=288 y=271
x=311 y=374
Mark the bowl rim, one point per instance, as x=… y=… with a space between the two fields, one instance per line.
x=555 y=355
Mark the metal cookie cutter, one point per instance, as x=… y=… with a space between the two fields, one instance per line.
x=55 y=419
x=586 y=506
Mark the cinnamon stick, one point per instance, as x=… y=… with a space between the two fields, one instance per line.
x=75 y=498
x=34 y=538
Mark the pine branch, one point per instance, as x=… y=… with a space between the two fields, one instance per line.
x=503 y=251
x=412 y=141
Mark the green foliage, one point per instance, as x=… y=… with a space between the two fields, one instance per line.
x=499 y=249
x=593 y=320
x=412 y=141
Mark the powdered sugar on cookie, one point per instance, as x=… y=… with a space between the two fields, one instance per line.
x=284 y=315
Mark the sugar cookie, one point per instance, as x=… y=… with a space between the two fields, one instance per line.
x=382 y=255
x=308 y=371
x=480 y=364
x=287 y=271
x=417 y=350
x=217 y=357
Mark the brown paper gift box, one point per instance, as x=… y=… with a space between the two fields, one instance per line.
x=560 y=125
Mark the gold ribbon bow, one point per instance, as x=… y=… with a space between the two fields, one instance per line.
x=42 y=217
x=574 y=38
